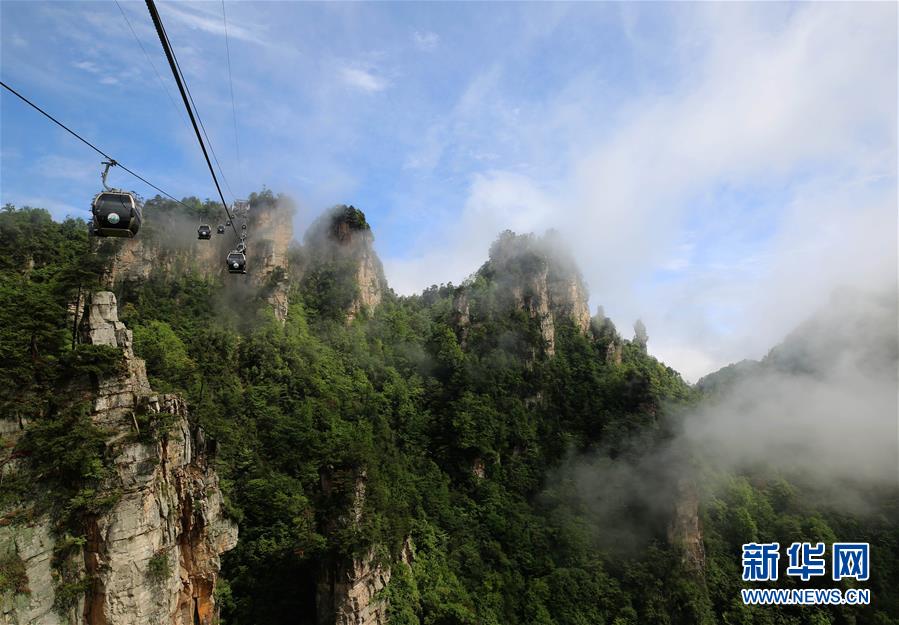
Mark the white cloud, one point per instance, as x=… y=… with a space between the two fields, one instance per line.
x=197 y=18
x=88 y=66
x=425 y=40
x=10 y=153
x=771 y=107
x=362 y=79
x=798 y=105
x=497 y=201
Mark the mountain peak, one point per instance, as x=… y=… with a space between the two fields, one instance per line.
x=343 y=224
x=536 y=274
x=343 y=263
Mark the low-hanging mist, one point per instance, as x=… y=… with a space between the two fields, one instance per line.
x=820 y=410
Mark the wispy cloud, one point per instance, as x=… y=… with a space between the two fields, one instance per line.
x=362 y=79
x=105 y=75
x=197 y=18
x=785 y=127
x=425 y=40
x=763 y=135
x=59 y=210
x=88 y=66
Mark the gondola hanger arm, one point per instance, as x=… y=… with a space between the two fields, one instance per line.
x=109 y=163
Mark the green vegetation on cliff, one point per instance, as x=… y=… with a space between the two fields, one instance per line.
x=460 y=439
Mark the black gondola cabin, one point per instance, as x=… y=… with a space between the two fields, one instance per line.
x=220 y=229
x=204 y=232
x=237 y=262
x=115 y=214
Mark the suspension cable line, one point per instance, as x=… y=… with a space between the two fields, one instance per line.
x=231 y=83
x=166 y=45
x=199 y=117
x=202 y=125
x=152 y=64
x=86 y=142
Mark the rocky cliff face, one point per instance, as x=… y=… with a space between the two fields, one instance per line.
x=31 y=544
x=347 y=592
x=161 y=252
x=370 y=278
x=272 y=233
x=685 y=528
x=153 y=557
x=535 y=275
x=168 y=245
x=341 y=242
x=347 y=588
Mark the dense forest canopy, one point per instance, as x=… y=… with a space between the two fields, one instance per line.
x=516 y=478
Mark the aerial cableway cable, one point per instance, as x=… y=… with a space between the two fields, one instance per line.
x=173 y=64
x=86 y=142
x=231 y=82
x=196 y=110
x=150 y=61
x=203 y=127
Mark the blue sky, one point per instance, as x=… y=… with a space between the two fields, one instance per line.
x=717 y=169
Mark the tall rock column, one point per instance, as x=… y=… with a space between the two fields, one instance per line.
x=348 y=587
x=340 y=246
x=536 y=275
x=685 y=528
x=154 y=557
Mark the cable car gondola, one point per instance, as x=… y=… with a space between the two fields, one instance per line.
x=115 y=213
x=243 y=227
x=204 y=232
x=228 y=223
x=237 y=262
x=220 y=229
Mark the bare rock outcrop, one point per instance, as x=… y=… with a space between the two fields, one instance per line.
x=685 y=528
x=272 y=233
x=347 y=590
x=370 y=278
x=340 y=243
x=614 y=353
x=461 y=315
x=534 y=274
x=532 y=295
x=168 y=246
x=32 y=544
x=568 y=297
x=153 y=556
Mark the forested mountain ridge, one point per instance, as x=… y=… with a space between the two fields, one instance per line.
x=464 y=455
